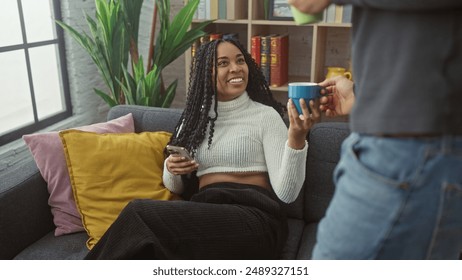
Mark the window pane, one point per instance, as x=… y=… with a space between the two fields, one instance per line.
x=46 y=80
x=10 y=26
x=38 y=20
x=15 y=106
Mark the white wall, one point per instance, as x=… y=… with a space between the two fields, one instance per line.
x=84 y=77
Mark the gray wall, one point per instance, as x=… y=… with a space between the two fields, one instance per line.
x=84 y=77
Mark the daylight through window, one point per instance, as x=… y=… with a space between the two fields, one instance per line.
x=34 y=92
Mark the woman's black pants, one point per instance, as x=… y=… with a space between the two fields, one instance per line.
x=221 y=221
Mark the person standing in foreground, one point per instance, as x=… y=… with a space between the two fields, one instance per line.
x=246 y=162
x=399 y=180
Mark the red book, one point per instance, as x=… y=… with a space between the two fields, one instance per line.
x=255 y=49
x=279 y=65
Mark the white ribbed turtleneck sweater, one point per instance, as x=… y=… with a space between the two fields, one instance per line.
x=249 y=137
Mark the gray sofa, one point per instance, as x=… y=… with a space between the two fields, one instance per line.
x=26 y=223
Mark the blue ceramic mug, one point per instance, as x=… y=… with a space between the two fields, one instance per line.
x=305 y=90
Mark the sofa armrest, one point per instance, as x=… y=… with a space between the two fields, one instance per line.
x=25 y=216
x=323 y=155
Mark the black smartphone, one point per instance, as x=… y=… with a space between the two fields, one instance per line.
x=180 y=151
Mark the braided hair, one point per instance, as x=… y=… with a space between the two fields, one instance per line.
x=191 y=129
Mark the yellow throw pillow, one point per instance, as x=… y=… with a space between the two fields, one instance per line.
x=107 y=171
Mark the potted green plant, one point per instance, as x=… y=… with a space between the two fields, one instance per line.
x=113 y=41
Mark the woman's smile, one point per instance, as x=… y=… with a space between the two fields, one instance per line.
x=236 y=80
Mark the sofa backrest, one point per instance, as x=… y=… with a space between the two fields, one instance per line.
x=148 y=118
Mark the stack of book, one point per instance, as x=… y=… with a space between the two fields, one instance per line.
x=222 y=9
x=271 y=53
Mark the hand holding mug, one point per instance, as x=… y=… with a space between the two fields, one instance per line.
x=341 y=97
x=300 y=124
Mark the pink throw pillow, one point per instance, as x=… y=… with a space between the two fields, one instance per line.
x=48 y=154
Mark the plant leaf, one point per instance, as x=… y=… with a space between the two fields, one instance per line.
x=128 y=88
x=141 y=92
x=170 y=94
x=132 y=12
x=181 y=22
x=111 y=102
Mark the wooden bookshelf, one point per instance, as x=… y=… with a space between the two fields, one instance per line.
x=312 y=47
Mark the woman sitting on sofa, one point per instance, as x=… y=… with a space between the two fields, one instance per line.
x=246 y=162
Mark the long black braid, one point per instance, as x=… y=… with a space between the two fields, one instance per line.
x=202 y=93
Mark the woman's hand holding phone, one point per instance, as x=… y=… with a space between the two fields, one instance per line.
x=180 y=161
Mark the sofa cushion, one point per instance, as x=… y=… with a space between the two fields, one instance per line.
x=47 y=151
x=50 y=247
x=107 y=171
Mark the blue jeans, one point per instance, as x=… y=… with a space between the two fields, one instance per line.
x=395 y=198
